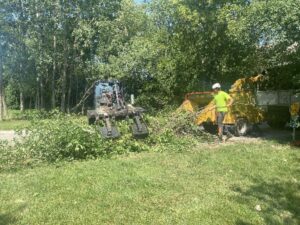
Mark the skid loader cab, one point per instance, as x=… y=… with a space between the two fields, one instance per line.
x=103 y=94
x=109 y=94
x=110 y=106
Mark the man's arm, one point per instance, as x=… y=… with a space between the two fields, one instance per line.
x=214 y=106
x=230 y=101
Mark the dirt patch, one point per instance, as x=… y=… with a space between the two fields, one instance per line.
x=266 y=133
x=8 y=135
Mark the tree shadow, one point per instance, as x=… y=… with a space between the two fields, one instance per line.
x=241 y=222
x=280 y=136
x=11 y=218
x=279 y=200
x=6 y=219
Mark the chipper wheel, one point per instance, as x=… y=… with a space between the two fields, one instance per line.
x=242 y=127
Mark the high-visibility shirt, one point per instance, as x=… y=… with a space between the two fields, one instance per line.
x=220 y=100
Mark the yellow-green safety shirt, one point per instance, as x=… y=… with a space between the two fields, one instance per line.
x=220 y=100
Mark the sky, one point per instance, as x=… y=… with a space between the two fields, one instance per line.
x=139 y=1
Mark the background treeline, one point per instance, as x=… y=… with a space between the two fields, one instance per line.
x=51 y=51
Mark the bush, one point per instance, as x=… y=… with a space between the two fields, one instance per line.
x=71 y=138
x=33 y=114
x=181 y=124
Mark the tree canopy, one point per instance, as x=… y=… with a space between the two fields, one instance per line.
x=52 y=51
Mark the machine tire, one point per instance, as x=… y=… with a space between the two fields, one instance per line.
x=242 y=127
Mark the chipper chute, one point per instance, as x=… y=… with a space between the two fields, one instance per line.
x=111 y=106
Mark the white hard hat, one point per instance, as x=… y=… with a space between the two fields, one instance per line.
x=216 y=85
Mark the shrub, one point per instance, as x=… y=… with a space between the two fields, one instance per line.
x=33 y=114
x=71 y=138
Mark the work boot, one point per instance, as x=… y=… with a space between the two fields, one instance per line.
x=220 y=138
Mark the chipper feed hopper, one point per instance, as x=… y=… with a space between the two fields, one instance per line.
x=110 y=106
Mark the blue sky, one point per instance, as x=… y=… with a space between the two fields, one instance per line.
x=138 y=1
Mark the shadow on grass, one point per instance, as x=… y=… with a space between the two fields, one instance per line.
x=11 y=217
x=6 y=219
x=279 y=200
x=263 y=132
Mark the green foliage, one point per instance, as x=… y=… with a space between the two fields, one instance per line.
x=11 y=97
x=67 y=138
x=33 y=114
x=70 y=138
x=161 y=49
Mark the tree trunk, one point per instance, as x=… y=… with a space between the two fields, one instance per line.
x=64 y=83
x=83 y=104
x=1 y=91
x=37 y=97
x=69 y=93
x=30 y=103
x=65 y=66
x=64 y=75
x=53 y=75
x=42 y=95
x=21 y=101
x=4 y=104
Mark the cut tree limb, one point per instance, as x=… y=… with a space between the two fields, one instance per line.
x=85 y=96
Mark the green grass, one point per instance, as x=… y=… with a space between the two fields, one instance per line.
x=13 y=124
x=219 y=185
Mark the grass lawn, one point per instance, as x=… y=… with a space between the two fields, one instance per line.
x=205 y=185
x=13 y=124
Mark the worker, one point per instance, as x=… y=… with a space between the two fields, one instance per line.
x=222 y=101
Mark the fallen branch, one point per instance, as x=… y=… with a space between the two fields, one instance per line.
x=84 y=97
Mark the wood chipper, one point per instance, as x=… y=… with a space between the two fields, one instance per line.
x=110 y=106
x=241 y=116
x=252 y=105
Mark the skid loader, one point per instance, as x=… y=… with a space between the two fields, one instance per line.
x=110 y=106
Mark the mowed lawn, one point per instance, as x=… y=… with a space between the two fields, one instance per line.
x=228 y=184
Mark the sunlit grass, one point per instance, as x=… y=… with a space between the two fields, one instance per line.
x=13 y=124
x=222 y=185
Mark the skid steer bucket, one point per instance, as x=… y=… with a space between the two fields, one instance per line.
x=108 y=130
x=109 y=133
x=139 y=128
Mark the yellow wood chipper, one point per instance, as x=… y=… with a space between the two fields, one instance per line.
x=251 y=106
